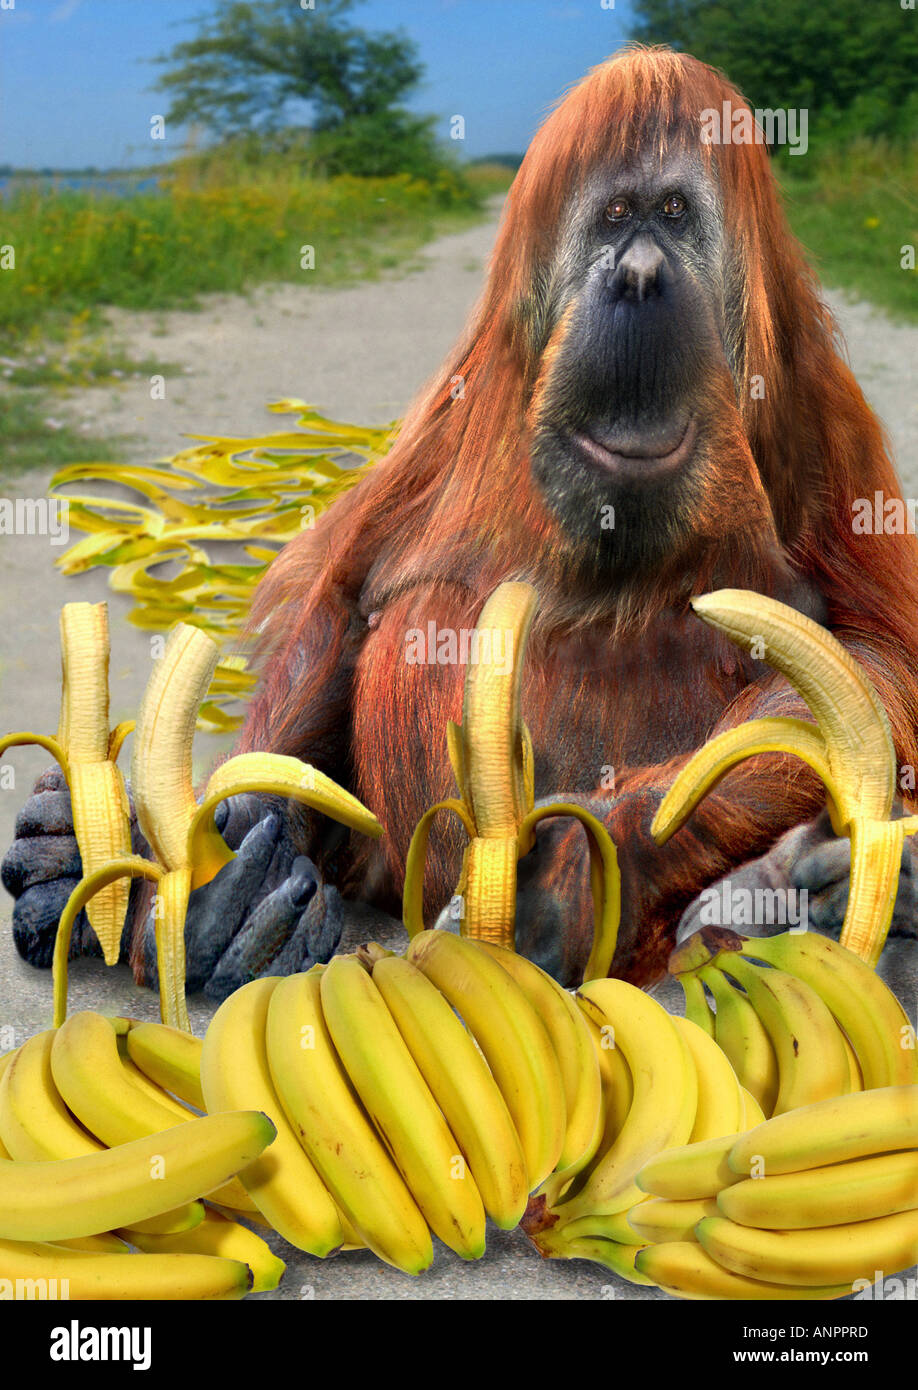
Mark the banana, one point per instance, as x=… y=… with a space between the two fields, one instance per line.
x=91 y=1276
x=827 y=1255
x=665 y=1094
x=87 y=751
x=865 y=1007
x=741 y=1034
x=119 y=1187
x=335 y=1130
x=40 y=1129
x=620 y=1259
x=284 y=1184
x=697 y=1008
x=855 y=1080
x=616 y=1227
x=812 y=1062
x=882 y=1185
x=657 y=1219
x=754 y=1114
x=831 y=1131
x=850 y=747
x=35 y=1124
x=691 y=1171
x=567 y=1027
x=491 y=757
x=106 y=1243
x=170 y=1057
x=683 y=1269
x=188 y=848
x=512 y=1037
x=720 y=1101
x=109 y=1095
x=395 y=1094
x=462 y=1085
x=217 y=1235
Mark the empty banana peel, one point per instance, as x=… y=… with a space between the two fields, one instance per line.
x=87 y=752
x=491 y=758
x=189 y=849
x=850 y=746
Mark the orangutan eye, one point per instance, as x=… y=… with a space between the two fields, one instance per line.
x=674 y=206
x=617 y=210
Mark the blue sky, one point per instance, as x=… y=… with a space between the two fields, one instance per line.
x=75 y=74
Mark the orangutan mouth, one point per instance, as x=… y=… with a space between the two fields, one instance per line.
x=639 y=456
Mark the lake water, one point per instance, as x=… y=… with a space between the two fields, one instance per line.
x=121 y=185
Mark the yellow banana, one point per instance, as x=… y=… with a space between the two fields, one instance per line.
x=91 y=1276
x=170 y=1057
x=826 y=1255
x=829 y=1196
x=395 y=1094
x=218 y=1236
x=461 y=1084
x=108 y=1095
x=619 y=1259
x=741 y=1034
x=683 y=1269
x=720 y=1100
x=665 y=1095
x=87 y=751
x=656 y=1219
x=189 y=850
x=336 y=1131
x=39 y=1128
x=697 y=1008
x=284 y=1184
x=569 y=1032
x=753 y=1114
x=865 y=1007
x=812 y=1061
x=120 y=1187
x=691 y=1171
x=491 y=758
x=850 y=747
x=511 y=1035
x=830 y=1131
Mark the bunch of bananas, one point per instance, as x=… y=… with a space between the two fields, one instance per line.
x=411 y=1095
x=801 y=1018
x=115 y=1160
x=768 y=1215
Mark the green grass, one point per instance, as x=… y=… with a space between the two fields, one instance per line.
x=77 y=251
x=854 y=210
x=32 y=436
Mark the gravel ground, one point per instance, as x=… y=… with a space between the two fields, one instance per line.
x=358 y=354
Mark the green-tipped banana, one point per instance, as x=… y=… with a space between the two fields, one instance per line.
x=812 y=1061
x=871 y=1015
x=850 y=747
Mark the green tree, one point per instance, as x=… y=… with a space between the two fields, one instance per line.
x=850 y=63
x=251 y=63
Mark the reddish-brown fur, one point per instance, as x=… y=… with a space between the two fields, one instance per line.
x=630 y=679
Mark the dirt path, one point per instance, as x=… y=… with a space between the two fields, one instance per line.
x=361 y=354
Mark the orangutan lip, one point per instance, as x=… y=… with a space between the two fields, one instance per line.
x=636 y=466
